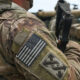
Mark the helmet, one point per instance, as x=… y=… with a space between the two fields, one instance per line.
x=5 y=4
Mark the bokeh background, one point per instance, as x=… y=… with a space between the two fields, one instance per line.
x=48 y=5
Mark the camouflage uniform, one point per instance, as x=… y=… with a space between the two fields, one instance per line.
x=27 y=50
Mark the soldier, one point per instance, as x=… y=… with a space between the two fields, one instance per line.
x=63 y=23
x=27 y=50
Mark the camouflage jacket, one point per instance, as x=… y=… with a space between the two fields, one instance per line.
x=27 y=49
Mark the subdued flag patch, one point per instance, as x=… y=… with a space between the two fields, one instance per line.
x=31 y=50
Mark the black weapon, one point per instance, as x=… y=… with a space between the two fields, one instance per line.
x=63 y=23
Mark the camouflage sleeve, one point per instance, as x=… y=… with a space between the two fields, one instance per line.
x=5 y=68
x=73 y=55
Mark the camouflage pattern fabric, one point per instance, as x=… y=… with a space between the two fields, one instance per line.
x=16 y=29
x=73 y=54
x=5 y=4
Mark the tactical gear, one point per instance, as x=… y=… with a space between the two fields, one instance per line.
x=63 y=23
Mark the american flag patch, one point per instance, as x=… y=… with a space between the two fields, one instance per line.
x=31 y=50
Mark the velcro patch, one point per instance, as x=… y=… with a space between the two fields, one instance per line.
x=31 y=50
x=20 y=37
x=54 y=66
